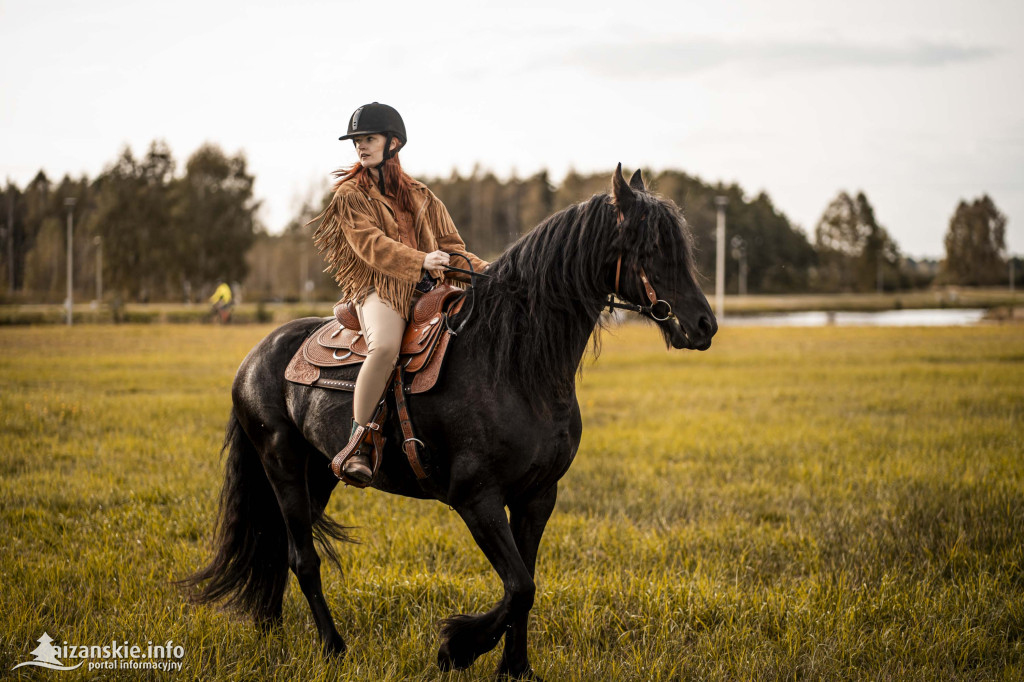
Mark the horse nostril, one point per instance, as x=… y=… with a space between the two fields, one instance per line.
x=704 y=326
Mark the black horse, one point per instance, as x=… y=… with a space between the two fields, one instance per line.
x=502 y=425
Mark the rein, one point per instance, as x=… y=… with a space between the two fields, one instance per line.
x=470 y=272
x=470 y=293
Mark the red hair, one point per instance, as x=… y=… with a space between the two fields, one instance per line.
x=397 y=182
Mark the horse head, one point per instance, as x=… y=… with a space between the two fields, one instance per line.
x=655 y=266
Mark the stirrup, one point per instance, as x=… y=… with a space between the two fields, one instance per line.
x=367 y=440
x=357 y=465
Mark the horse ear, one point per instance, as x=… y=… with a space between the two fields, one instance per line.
x=637 y=181
x=624 y=196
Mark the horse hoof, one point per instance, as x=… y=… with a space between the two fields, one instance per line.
x=446 y=660
x=335 y=649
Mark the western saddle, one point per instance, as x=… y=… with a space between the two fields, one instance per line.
x=340 y=343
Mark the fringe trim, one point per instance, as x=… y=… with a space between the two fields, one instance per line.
x=354 y=277
x=440 y=223
x=438 y=219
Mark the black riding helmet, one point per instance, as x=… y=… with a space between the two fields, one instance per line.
x=377 y=118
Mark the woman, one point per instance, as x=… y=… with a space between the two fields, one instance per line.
x=379 y=234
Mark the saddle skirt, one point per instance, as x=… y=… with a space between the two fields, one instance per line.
x=341 y=343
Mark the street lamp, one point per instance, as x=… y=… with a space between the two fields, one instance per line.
x=70 y=203
x=721 y=202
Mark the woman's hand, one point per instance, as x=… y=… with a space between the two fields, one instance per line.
x=434 y=261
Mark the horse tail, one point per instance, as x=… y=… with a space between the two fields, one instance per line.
x=249 y=568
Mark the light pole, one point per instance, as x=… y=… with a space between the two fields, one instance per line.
x=70 y=203
x=97 y=241
x=721 y=202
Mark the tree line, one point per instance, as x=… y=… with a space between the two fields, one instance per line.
x=155 y=234
x=158 y=234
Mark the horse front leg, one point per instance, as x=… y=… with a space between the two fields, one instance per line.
x=528 y=518
x=466 y=637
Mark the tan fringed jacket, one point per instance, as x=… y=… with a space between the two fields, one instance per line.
x=359 y=238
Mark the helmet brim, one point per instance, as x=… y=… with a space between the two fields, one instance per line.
x=362 y=133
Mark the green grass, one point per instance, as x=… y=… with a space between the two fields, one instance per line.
x=833 y=503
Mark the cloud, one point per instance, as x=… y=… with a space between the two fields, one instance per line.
x=689 y=56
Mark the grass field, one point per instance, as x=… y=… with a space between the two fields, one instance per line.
x=834 y=503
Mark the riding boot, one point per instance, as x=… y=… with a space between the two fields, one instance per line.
x=358 y=464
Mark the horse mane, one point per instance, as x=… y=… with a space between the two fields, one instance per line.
x=543 y=299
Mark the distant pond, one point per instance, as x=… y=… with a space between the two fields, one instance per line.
x=938 y=317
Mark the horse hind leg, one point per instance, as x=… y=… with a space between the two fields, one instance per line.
x=466 y=637
x=286 y=460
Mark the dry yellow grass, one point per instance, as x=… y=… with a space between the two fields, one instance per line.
x=816 y=504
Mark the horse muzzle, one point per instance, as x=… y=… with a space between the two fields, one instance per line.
x=698 y=338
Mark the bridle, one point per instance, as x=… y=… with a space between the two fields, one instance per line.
x=611 y=303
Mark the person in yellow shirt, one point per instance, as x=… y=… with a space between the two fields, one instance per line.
x=222 y=302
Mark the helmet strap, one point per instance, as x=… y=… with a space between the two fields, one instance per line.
x=380 y=167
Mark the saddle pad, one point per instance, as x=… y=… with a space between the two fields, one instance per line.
x=338 y=378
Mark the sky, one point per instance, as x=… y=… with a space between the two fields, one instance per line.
x=919 y=104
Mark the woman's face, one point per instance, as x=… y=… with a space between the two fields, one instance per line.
x=370 y=149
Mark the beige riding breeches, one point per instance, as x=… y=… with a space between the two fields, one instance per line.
x=383 y=329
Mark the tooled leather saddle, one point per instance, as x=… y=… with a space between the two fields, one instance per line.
x=327 y=358
x=340 y=343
